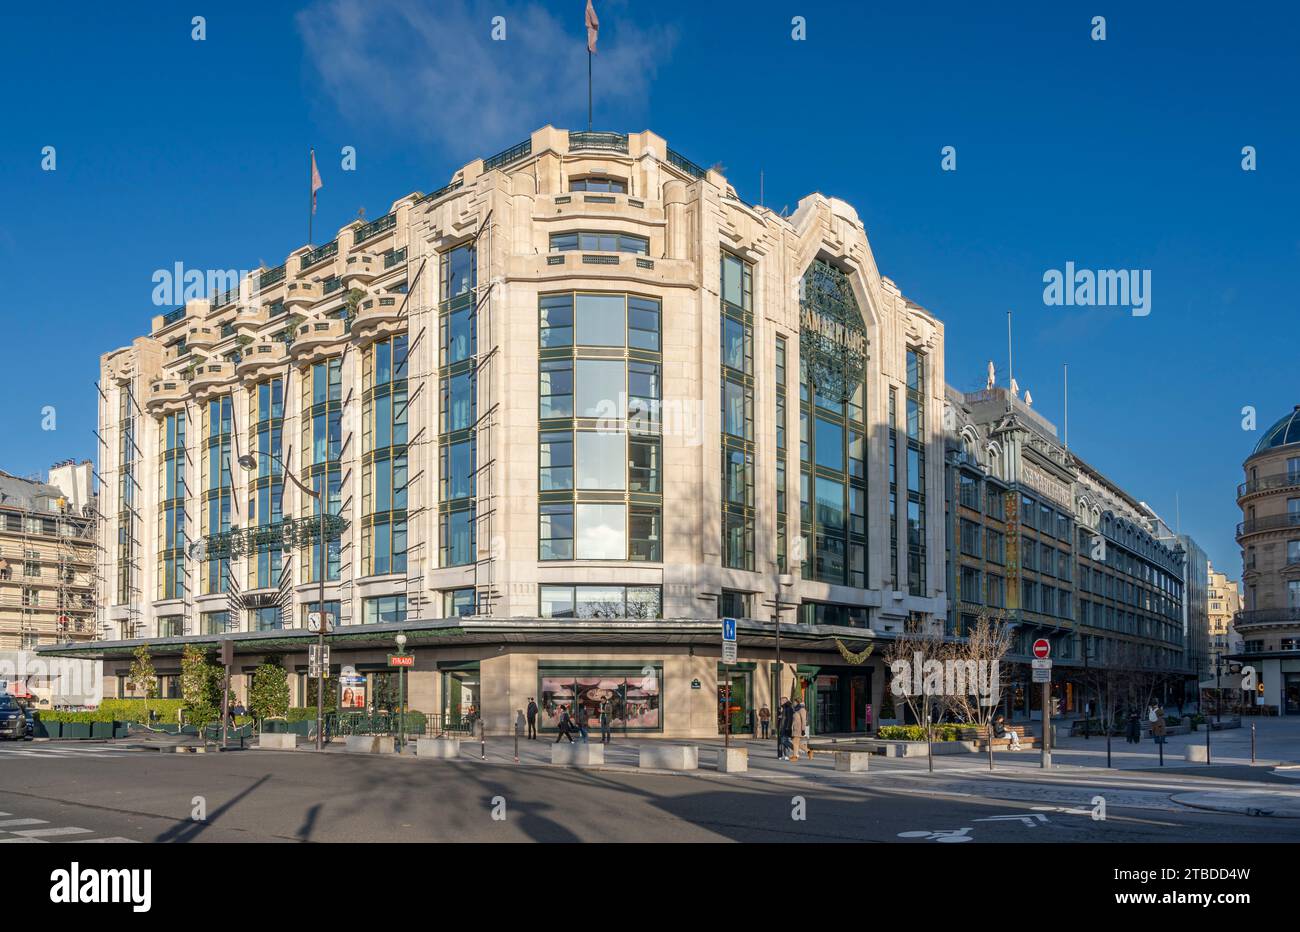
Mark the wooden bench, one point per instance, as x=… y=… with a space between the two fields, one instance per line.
x=980 y=735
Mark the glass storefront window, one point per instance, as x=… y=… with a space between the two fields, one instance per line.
x=631 y=697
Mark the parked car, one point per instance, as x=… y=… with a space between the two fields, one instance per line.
x=14 y=721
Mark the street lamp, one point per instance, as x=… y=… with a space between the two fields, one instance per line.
x=783 y=581
x=401 y=692
x=248 y=462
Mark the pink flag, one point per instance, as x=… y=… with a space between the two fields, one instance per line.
x=315 y=181
x=593 y=28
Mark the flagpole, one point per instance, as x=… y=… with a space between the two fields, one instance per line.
x=589 y=88
x=311 y=193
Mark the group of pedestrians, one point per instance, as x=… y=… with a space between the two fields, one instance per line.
x=791 y=728
x=570 y=724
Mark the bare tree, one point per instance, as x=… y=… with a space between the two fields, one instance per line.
x=979 y=663
x=906 y=656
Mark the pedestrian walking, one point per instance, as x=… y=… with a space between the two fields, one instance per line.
x=532 y=718
x=783 y=724
x=764 y=714
x=1133 y=733
x=604 y=723
x=565 y=728
x=1158 y=727
x=582 y=725
x=798 y=728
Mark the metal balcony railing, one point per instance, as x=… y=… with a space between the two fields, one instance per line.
x=394 y=256
x=513 y=154
x=374 y=228
x=1267 y=483
x=1268 y=616
x=320 y=254
x=270 y=277
x=172 y=316
x=609 y=142
x=681 y=162
x=434 y=195
x=1269 y=523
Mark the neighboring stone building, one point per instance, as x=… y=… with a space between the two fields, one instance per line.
x=1224 y=603
x=1269 y=535
x=1040 y=538
x=573 y=407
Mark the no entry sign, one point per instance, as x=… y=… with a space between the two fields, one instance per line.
x=1042 y=648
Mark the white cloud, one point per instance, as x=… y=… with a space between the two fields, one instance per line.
x=432 y=69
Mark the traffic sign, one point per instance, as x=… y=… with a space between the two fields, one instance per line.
x=1041 y=664
x=401 y=660
x=729 y=629
x=1042 y=648
x=317 y=653
x=1042 y=671
x=728 y=651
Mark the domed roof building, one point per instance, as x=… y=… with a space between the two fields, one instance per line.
x=1284 y=433
x=1269 y=535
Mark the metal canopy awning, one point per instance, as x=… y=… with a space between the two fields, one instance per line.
x=455 y=632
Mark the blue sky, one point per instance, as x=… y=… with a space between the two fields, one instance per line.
x=1122 y=154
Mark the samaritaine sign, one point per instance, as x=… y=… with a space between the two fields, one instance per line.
x=832 y=338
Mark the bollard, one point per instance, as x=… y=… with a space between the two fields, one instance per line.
x=1207 y=742
x=482 y=740
x=1252 y=742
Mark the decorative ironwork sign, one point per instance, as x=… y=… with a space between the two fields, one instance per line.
x=832 y=337
x=284 y=535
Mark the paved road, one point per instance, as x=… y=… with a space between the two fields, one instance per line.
x=304 y=796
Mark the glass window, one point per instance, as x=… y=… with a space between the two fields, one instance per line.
x=602 y=460
x=600 y=319
x=555 y=390
x=556 y=461
x=555 y=317
x=599 y=386
x=603 y=185
x=600 y=531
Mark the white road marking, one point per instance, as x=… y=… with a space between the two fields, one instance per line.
x=7 y=823
x=46 y=832
x=115 y=840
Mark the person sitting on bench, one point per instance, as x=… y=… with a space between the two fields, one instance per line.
x=1002 y=730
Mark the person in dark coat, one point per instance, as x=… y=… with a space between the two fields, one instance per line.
x=784 y=725
x=566 y=726
x=604 y=723
x=532 y=718
x=1133 y=733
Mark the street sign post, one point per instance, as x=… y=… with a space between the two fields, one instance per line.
x=728 y=640
x=1042 y=666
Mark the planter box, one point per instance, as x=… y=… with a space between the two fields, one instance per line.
x=579 y=754
x=918 y=748
x=77 y=730
x=277 y=741
x=43 y=729
x=852 y=761
x=370 y=744
x=733 y=760
x=101 y=730
x=669 y=757
x=120 y=730
x=438 y=748
x=1195 y=753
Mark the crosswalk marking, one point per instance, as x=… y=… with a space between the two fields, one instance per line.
x=115 y=840
x=8 y=823
x=15 y=841
x=46 y=832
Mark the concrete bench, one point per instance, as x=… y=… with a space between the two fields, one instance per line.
x=277 y=741
x=578 y=754
x=1195 y=753
x=669 y=757
x=441 y=748
x=852 y=761
x=733 y=760
x=370 y=744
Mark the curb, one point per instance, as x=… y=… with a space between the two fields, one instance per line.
x=1277 y=805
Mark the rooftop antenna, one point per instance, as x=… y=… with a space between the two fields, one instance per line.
x=1067 y=406
x=760 y=187
x=1011 y=370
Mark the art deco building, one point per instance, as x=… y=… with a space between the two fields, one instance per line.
x=571 y=407
x=1269 y=535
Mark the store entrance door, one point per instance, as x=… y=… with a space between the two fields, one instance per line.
x=737 y=705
